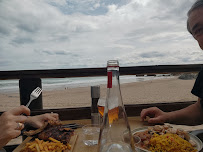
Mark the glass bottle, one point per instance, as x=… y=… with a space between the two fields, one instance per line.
x=115 y=133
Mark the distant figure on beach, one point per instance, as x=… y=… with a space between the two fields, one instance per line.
x=13 y=121
x=192 y=114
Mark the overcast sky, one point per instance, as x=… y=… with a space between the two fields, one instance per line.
x=58 y=34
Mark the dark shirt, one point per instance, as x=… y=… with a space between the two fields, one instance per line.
x=197 y=89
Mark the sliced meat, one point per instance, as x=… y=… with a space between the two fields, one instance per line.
x=53 y=129
x=58 y=133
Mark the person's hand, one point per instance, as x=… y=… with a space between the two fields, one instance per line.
x=11 y=124
x=156 y=115
x=38 y=121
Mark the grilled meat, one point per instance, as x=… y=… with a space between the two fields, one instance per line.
x=53 y=129
x=58 y=133
x=45 y=126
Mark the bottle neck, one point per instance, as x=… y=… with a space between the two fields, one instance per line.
x=114 y=98
x=113 y=77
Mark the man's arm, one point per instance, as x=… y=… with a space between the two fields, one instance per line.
x=191 y=115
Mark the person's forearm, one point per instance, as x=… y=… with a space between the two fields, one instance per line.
x=190 y=115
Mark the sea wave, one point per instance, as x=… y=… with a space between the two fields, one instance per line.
x=61 y=83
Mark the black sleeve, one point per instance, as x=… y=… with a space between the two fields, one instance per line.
x=197 y=89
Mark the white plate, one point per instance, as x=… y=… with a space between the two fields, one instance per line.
x=192 y=137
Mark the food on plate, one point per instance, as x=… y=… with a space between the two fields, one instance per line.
x=170 y=143
x=58 y=133
x=53 y=129
x=53 y=135
x=46 y=125
x=40 y=145
x=164 y=138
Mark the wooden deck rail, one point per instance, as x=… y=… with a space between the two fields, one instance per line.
x=131 y=110
x=85 y=72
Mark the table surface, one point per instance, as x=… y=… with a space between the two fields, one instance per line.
x=135 y=122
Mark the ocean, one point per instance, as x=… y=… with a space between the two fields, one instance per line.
x=62 y=83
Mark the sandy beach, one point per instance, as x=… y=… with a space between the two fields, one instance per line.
x=153 y=91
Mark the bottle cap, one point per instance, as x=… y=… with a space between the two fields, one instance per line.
x=113 y=63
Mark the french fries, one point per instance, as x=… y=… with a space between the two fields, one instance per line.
x=45 y=146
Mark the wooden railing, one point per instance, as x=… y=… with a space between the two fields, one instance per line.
x=87 y=72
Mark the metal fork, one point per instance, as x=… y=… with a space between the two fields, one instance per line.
x=34 y=95
x=72 y=125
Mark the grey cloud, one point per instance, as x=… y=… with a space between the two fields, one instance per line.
x=60 y=53
x=22 y=40
x=49 y=52
x=46 y=52
x=81 y=28
x=145 y=63
x=187 y=60
x=73 y=6
x=167 y=37
x=5 y=63
x=66 y=53
x=151 y=54
x=87 y=8
x=172 y=9
x=56 y=52
x=63 y=38
x=151 y=37
x=80 y=33
x=150 y=30
x=28 y=27
x=139 y=32
x=4 y=30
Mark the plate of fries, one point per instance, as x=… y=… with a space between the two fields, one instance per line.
x=36 y=145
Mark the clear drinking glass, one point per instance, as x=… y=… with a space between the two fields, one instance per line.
x=90 y=134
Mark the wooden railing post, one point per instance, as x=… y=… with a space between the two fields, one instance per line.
x=26 y=86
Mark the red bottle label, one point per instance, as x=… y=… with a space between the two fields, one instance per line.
x=109 y=84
